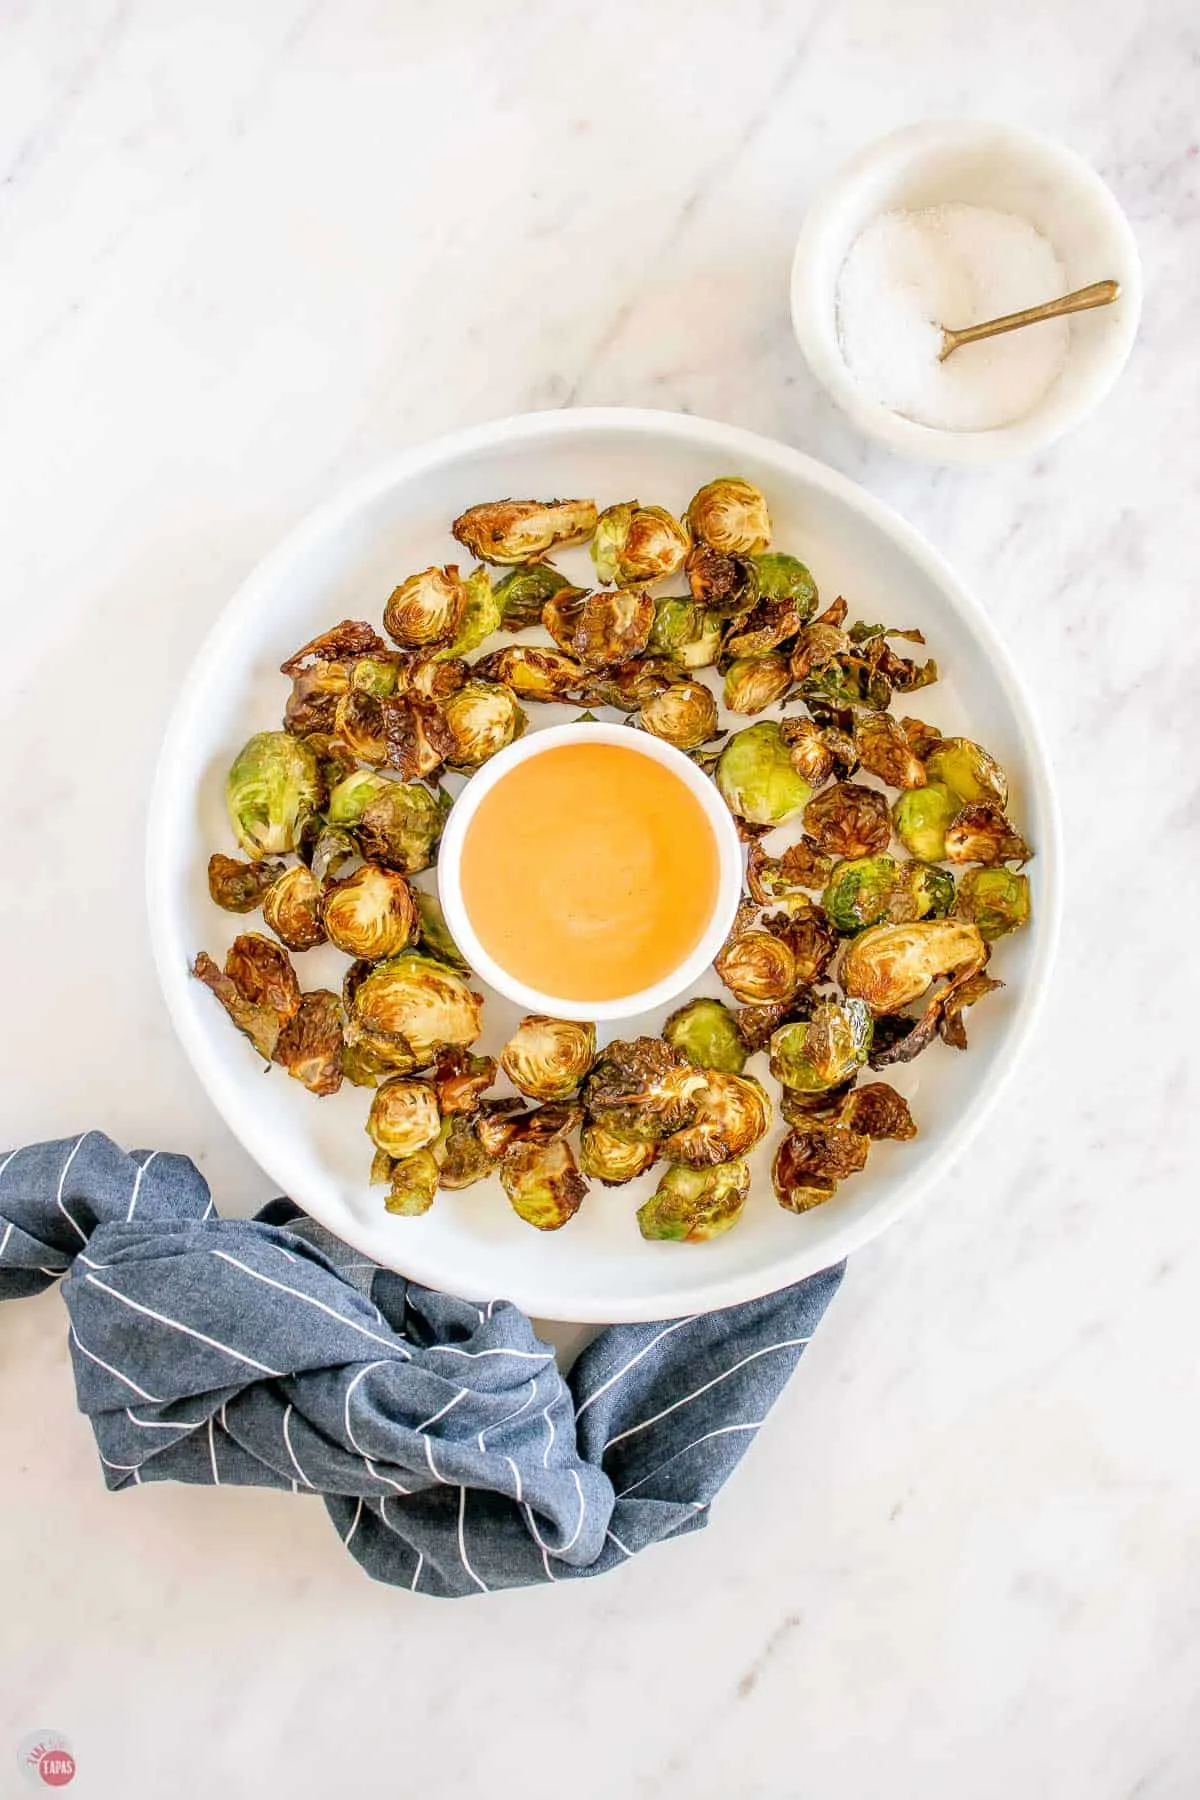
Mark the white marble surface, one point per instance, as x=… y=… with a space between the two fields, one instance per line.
x=246 y=251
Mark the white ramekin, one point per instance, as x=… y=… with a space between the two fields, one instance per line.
x=554 y=737
x=983 y=164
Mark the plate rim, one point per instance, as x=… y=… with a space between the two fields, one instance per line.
x=716 y=1292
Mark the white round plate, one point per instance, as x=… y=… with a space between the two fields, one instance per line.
x=343 y=563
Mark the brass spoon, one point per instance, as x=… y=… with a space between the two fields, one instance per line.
x=1100 y=293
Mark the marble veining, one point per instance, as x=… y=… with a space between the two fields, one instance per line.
x=245 y=254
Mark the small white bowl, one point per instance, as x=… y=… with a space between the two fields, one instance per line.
x=981 y=164
x=554 y=737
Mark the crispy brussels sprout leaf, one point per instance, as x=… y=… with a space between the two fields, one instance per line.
x=404 y=1116
x=426 y=609
x=684 y=714
x=263 y=974
x=608 y=1157
x=859 y=892
x=957 y=998
x=460 y=1080
x=690 y=1206
x=343 y=643
x=734 y=1114
x=292 y=909
x=824 y=1051
x=890 y=966
x=973 y=777
x=548 y=1058
x=412 y=1181
x=312 y=704
x=707 y=1033
x=724 y=585
x=522 y=531
x=434 y=933
x=523 y=592
x=643 y=1088
x=921 y=819
x=371 y=914
x=995 y=900
x=631 y=684
x=752 y=683
x=771 y=626
x=239 y=887
x=730 y=514
x=884 y=750
x=849 y=820
x=543 y=1184
x=757 y=778
x=533 y=673
x=603 y=628
x=259 y=1022
x=419 y=1001
x=982 y=834
x=272 y=787
x=636 y=543
x=482 y=717
x=785 y=877
x=310 y=1045
x=819 y=641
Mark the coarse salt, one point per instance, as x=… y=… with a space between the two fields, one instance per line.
x=910 y=273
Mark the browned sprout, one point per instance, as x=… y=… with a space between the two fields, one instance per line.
x=464 y=1161
x=824 y=1051
x=259 y=1022
x=370 y=913
x=890 y=966
x=263 y=973
x=849 y=820
x=783 y=878
x=309 y=1046
x=482 y=718
x=878 y=1111
x=812 y=1160
x=922 y=738
x=292 y=908
x=884 y=750
x=730 y=514
x=819 y=641
x=758 y=966
x=690 y=1206
x=237 y=886
x=417 y=738
x=532 y=672
x=973 y=777
x=600 y=629
x=752 y=683
x=523 y=592
x=414 y=1004
x=504 y=1123
x=543 y=1183
x=460 y=1080
x=723 y=585
x=707 y=1033
x=412 y=1181
x=426 y=609
x=806 y=931
x=523 y=531
x=548 y=1058
x=643 y=1088
x=433 y=674
x=758 y=1024
x=345 y=642
x=995 y=899
x=772 y=625
x=734 y=1114
x=608 y=1157
x=631 y=684
x=312 y=704
x=808 y=748
x=982 y=834
x=684 y=714
x=404 y=1116
x=636 y=543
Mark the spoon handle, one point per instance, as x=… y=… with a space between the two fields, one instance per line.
x=1100 y=293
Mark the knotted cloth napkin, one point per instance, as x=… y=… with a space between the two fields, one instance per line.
x=451 y=1454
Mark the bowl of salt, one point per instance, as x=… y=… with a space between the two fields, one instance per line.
x=944 y=225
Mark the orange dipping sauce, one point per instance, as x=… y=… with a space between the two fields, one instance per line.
x=589 y=872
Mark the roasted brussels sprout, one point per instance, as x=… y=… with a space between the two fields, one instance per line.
x=312 y=704
x=812 y=1159
x=921 y=891
x=603 y=628
x=859 y=892
x=995 y=900
x=922 y=738
x=460 y=1080
x=263 y=973
x=398 y=823
x=758 y=1023
x=891 y=965
x=636 y=543
x=771 y=626
x=358 y=721
x=819 y=641
x=724 y=584
x=417 y=738
x=809 y=936
x=343 y=643
x=630 y=684
x=434 y=933
x=730 y=514
x=404 y=1116
x=543 y=1184
x=464 y=1161
x=548 y=1058
x=378 y=675
x=921 y=818
x=848 y=819
x=974 y=777
x=815 y=1054
x=752 y=683
x=758 y=966
x=953 y=1003
x=608 y=1157
x=419 y=1001
x=310 y=1046
x=427 y=608
x=687 y=633
x=757 y=778
x=734 y=1114
x=523 y=592
x=982 y=834
x=707 y=1033
x=643 y=1088
x=272 y=787
x=783 y=577
x=258 y=1021
x=412 y=1180
x=239 y=887
x=505 y=1123
x=884 y=750
x=532 y=672
x=481 y=617
x=684 y=714
x=522 y=531
x=690 y=1206
x=785 y=877
x=483 y=717
x=292 y=908
x=370 y=913
x=808 y=749
x=877 y=1111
